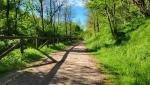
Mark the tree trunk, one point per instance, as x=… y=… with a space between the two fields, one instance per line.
x=66 y=25
x=111 y=19
x=7 y=16
x=97 y=22
x=41 y=3
x=16 y=14
x=142 y=6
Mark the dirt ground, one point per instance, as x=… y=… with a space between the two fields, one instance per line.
x=74 y=67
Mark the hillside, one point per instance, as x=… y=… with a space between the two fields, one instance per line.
x=127 y=63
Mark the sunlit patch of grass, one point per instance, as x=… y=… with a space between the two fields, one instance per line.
x=31 y=55
x=57 y=46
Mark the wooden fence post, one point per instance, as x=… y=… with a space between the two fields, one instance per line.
x=21 y=46
x=36 y=43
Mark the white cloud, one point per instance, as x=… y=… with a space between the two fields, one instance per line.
x=80 y=3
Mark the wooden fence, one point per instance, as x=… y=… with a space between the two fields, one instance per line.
x=39 y=42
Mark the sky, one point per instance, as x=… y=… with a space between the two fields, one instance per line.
x=79 y=11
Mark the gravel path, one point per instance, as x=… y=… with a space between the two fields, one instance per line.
x=74 y=67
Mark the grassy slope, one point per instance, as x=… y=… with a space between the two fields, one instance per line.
x=128 y=63
x=15 y=60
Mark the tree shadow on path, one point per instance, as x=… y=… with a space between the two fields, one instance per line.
x=47 y=79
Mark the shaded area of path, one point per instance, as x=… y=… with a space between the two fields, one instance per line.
x=74 y=67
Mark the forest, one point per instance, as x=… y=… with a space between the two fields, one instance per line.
x=29 y=25
x=117 y=34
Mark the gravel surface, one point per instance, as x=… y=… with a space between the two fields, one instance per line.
x=74 y=67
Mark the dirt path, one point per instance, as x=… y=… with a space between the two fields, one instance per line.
x=74 y=67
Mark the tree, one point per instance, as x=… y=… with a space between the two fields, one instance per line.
x=41 y=13
x=111 y=12
x=7 y=16
x=17 y=3
x=143 y=7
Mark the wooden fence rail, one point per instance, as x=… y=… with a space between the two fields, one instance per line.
x=28 y=37
x=36 y=39
x=9 y=50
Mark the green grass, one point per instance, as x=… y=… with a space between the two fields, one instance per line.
x=31 y=55
x=11 y=62
x=15 y=60
x=57 y=46
x=127 y=63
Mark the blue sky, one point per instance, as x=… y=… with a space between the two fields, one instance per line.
x=80 y=15
x=79 y=11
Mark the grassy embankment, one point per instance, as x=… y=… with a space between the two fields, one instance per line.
x=129 y=62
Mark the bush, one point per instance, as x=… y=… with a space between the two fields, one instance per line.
x=2 y=44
